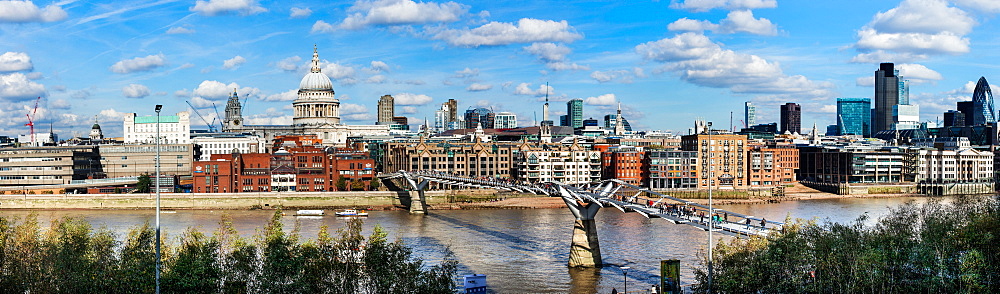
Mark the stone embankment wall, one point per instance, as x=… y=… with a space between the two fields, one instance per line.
x=289 y=200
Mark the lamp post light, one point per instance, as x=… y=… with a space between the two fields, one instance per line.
x=625 y=273
x=158 y=107
x=711 y=210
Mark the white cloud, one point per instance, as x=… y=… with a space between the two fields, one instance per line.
x=322 y=27
x=112 y=114
x=606 y=99
x=59 y=104
x=698 y=60
x=80 y=94
x=217 y=7
x=400 y=12
x=548 y=52
x=467 y=73
x=27 y=11
x=412 y=82
x=135 y=91
x=379 y=66
x=289 y=95
x=348 y=108
x=376 y=79
x=411 y=99
x=339 y=72
x=408 y=110
x=180 y=30
x=289 y=64
x=16 y=86
x=741 y=21
x=879 y=56
x=915 y=29
x=139 y=64
x=271 y=116
x=706 y=5
x=865 y=81
x=525 y=89
x=15 y=61
x=914 y=71
x=234 y=62
x=216 y=90
x=527 y=30
x=476 y=87
x=602 y=76
x=991 y=6
x=300 y=12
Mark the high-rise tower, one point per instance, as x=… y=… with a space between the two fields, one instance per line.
x=386 y=110
x=574 y=113
x=749 y=114
x=791 y=118
x=886 y=96
x=982 y=104
x=854 y=116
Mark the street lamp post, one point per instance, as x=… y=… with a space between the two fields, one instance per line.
x=158 y=107
x=625 y=272
x=711 y=210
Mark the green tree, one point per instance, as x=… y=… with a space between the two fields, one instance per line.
x=375 y=184
x=144 y=184
x=341 y=184
x=195 y=269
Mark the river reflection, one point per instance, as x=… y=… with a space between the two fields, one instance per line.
x=520 y=251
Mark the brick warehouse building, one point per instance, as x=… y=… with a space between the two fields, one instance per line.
x=292 y=167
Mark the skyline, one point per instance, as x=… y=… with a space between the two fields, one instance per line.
x=675 y=59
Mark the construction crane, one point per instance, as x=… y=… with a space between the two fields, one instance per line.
x=211 y=126
x=217 y=117
x=31 y=120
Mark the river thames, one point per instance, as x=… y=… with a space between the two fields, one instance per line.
x=520 y=251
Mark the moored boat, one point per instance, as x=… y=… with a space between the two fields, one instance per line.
x=352 y=212
x=309 y=212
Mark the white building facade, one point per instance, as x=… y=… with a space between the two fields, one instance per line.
x=174 y=129
x=229 y=144
x=505 y=120
x=564 y=166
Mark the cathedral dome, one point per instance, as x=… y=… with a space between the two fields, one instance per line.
x=316 y=80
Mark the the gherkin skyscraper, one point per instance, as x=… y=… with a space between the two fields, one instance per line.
x=982 y=104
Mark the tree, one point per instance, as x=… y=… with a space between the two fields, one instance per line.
x=143 y=185
x=357 y=185
x=341 y=184
x=374 y=184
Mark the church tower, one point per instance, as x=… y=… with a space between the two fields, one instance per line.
x=234 y=113
x=316 y=105
x=95 y=131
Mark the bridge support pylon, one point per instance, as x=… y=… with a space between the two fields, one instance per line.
x=585 y=251
x=418 y=204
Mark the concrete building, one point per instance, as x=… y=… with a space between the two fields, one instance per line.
x=48 y=165
x=886 y=96
x=856 y=164
x=227 y=143
x=966 y=165
x=672 y=169
x=386 y=110
x=174 y=129
x=905 y=117
x=140 y=159
x=791 y=118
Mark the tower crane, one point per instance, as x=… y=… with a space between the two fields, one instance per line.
x=31 y=120
x=211 y=126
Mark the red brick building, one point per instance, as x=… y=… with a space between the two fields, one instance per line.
x=624 y=163
x=296 y=165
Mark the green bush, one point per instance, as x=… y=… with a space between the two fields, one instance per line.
x=932 y=248
x=72 y=257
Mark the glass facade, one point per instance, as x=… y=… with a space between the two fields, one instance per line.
x=854 y=116
x=982 y=104
x=574 y=113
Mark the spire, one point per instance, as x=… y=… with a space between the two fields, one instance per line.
x=315 y=60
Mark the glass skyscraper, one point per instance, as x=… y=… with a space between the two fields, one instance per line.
x=854 y=116
x=574 y=113
x=886 y=96
x=982 y=104
x=749 y=114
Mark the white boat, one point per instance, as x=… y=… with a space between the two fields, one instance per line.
x=310 y=212
x=352 y=212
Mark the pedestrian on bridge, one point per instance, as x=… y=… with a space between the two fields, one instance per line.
x=726 y=216
x=763 y=221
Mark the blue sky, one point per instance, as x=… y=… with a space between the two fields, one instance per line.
x=667 y=62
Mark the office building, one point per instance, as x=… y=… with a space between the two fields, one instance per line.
x=574 y=113
x=791 y=118
x=954 y=118
x=386 y=110
x=886 y=96
x=505 y=120
x=173 y=129
x=479 y=117
x=982 y=104
x=727 y=168
x=611 y=120
x=906 y=117
x=749 y=114
x=966 y=108
x=854 y=116
x=904 y=90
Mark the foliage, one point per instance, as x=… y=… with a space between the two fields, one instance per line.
x=357 y=185
x=936 y=247
x=374 y=184
x=144 y=184
x=72 y=257
x=341 y=184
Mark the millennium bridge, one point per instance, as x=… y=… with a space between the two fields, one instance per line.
x=584 y=201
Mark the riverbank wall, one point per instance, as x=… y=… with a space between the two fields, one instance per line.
x=266 y=200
